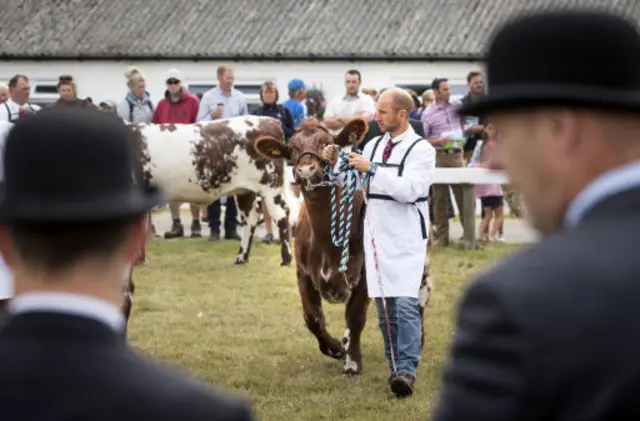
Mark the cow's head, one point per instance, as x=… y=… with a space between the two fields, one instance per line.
x=306 y=146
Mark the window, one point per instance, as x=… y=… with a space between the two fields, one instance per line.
x=418 y=88
x=45 y=88
x=200 y=88
x=249 y=89
x=458 y=89
x=44 y=93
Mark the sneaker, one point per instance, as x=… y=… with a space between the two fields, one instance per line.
x=214 y=236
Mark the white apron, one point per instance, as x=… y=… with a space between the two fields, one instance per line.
x=6 y=277
x=396 y=224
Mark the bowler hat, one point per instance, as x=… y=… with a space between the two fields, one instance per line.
x=579 y=58
x=68 y=164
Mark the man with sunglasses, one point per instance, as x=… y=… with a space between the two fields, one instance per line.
x=179 y=107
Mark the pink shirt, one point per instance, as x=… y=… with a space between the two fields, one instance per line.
x=484 y=190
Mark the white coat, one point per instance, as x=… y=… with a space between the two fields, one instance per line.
x=6 y=277
x=396 y=225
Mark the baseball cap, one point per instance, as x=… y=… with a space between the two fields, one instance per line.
x=296 y=84
x=108 y=103
x=175 y=74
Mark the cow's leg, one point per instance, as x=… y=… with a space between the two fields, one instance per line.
x=279 y=212
x=127 y=303
x=356 y=315
x=423 y=297
x=314 y=318
x=249 y=215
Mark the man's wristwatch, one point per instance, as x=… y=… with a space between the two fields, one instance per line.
x=373 y=167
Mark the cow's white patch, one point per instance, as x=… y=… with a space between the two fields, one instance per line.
x=346 y=339
x=171 y=163
x=423 y=295
x=350 y=365
x=171 y=166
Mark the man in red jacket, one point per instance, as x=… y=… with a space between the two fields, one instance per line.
x=180 y=107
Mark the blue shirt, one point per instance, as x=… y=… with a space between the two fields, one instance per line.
x=297 y=109
x=234 y=103
x=608 y=184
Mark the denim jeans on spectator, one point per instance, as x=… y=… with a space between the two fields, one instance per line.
x=404 y=320
x=230 y=221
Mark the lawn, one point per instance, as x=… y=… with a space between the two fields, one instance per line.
x=241 y=327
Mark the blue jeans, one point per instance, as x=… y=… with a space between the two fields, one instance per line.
x=404 y=320
x=230 y=221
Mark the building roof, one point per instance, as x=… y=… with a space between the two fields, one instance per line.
x=263 y=29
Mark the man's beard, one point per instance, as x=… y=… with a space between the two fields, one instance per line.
x=476 y=96
x=391 y=127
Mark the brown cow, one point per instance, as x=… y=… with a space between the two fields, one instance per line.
x=317 y=259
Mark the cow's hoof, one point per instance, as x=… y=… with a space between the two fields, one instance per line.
x=285 y=262
x=351 y=367
x=348 y=372
x=333 y=348
x=240 y=261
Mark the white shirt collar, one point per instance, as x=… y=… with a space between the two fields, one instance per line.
x=608 y=184
x=401 y=136
x=72 y=304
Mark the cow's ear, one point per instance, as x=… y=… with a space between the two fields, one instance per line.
x=355 y=128
x=272 y=148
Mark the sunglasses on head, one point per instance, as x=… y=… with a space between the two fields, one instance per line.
x=173 y=82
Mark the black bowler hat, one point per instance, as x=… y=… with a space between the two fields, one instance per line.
x=73 y=164
x=580 y=58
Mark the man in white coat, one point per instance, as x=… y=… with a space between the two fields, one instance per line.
x=6 y=277
x=400 y=166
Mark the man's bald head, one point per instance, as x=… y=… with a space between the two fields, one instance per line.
x=390 y=116
x=399 y=99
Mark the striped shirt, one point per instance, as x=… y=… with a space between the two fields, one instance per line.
x=437 y=119
x=234 y=104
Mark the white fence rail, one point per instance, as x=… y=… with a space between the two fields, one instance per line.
x=441 y=176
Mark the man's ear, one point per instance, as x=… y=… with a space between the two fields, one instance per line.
x=272 y=148
x=356 y=127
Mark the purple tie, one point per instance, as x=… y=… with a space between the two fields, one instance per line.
x=387 y=151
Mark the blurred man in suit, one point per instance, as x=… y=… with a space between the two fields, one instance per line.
x=62 y=351
x=553 y=332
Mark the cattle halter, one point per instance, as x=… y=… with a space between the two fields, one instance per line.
x=325 y=180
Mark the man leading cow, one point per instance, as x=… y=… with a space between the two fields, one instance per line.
x=400 y=167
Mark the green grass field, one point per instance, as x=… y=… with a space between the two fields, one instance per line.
x=241 y=327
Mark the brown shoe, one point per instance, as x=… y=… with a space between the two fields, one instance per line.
x=401 y=384
x=196 y=229
x=177 y=230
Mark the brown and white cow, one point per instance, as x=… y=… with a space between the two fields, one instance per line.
x=199 y=163
x=317 y=259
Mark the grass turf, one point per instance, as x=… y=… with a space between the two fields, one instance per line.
x=241 y=327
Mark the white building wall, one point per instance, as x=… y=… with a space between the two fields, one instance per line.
x=105 y=80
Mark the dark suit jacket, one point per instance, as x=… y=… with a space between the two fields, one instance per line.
x=553 y=332
x=374 y=131
x=63 y=367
